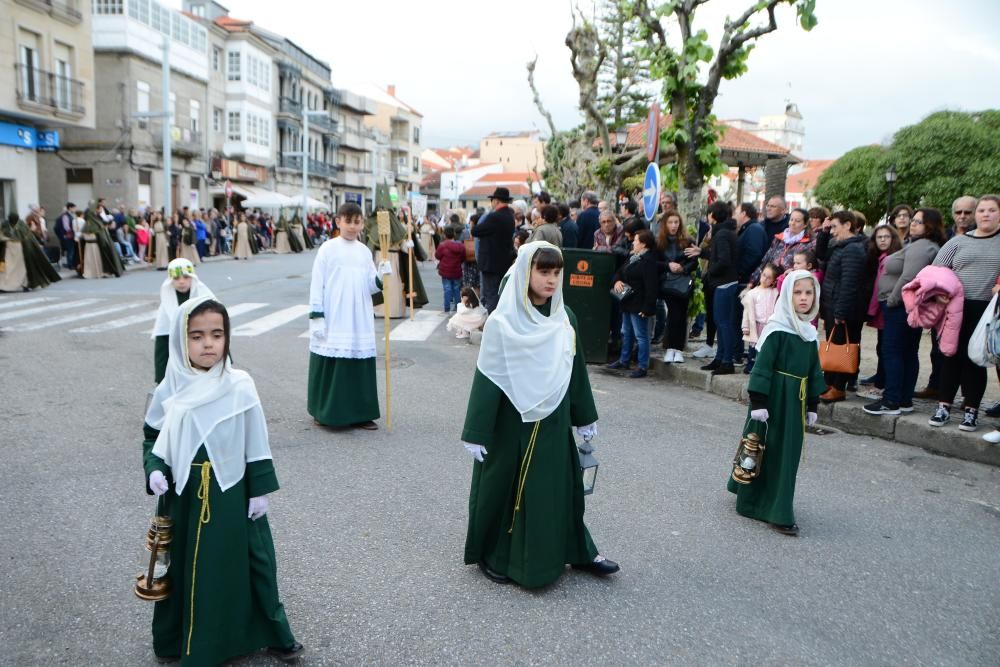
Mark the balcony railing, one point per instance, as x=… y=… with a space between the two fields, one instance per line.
x=37 y=88
x=290 y=106
x=316 y=167
x=182 y=141
x=357 y=140
x=323 y=123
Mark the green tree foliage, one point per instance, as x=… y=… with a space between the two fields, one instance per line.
x=691 y=72
x=625 y=89
x=856 y=181
x=947 y=155
x=944 y=156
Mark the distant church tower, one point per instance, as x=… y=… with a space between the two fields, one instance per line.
x=786 y=129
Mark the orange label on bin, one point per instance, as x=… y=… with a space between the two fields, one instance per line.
x=583 y=266
x=577 y=280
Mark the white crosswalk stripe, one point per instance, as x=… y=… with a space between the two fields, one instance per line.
x=424 y=323
x=234 y=311
x=66 y=319
x=116 y=324
x=18 y=303
x=268 y=322
x=64 y=305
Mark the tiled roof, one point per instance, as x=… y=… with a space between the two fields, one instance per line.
x=431 y=179
x=807 y=178
x=509 y=177
x=732 y=139
x=233 y=24
x=484 y=191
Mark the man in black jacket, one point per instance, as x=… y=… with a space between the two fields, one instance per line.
x=775 y=218
x=721 y=275
x=570 y=232
x=588 y=221
x=496 y=246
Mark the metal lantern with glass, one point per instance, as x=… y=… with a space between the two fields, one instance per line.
x=152 y=583
x=588 y=464
x=749 y=457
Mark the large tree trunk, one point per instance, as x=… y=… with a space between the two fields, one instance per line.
x=690 y=206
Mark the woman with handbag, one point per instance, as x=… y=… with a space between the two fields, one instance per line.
x=842 y=305
x=675 y=283
x=784 y=393
x=636 y=285
x=470 y=268
x=975 y=259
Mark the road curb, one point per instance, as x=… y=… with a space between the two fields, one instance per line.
x=848 y=415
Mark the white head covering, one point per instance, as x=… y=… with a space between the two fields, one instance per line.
x=785 y=318
x=168 y=295
x=528 y=355
x=218 y=408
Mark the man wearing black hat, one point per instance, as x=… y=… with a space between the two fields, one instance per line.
x=496 y=246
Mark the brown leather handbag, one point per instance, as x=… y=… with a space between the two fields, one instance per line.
x=470 y=250
x=839 y=357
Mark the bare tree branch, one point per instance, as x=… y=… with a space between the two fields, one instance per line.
x=538 y=100
x=586 y=55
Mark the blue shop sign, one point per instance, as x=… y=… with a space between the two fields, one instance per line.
x=355 y=197
x=24 y=136
x=47 y=140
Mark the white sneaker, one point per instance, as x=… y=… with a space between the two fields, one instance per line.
x=993 y=436
x=678 y=357
x=668 y=357
x=704 y=352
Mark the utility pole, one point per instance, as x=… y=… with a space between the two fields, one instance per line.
x=165 y=116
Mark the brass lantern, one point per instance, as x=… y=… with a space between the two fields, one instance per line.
x=749 y=458
x=152 y=583
x=588 y=464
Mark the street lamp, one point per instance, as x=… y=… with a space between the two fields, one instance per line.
x=621 y=137
x=890 y=179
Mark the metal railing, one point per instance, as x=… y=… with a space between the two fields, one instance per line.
x=323 y=123
x=316 y=167
x=182 y=141
x=288 y=105
x=38 y=87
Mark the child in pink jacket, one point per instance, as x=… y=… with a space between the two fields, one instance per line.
x=758 y=306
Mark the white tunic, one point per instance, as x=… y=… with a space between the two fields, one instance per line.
x=343 y=281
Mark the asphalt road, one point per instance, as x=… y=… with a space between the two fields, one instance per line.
x=896 y=564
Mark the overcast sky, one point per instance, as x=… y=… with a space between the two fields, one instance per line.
x=868 y=68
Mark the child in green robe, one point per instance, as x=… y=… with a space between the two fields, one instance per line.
x=531 y=387
x=180 y=285
x=206 y=453
x=784 y=391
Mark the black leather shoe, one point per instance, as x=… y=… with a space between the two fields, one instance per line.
x=791 y=531
x=599 y=568
x=992 y=412
x=712 y=365
x=293 y=652
x=724 y=369
x=493 y=575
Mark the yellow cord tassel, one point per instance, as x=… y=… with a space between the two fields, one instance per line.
x=523 y=476
x=802 y=400
x=203 y=518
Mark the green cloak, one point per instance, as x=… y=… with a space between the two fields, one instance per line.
x=305 y=232
x=161 y=346
x=293 y=240
x=235 y=597
x=397 y=234
x=111 y=263
x=548 y=531
x=787 y=371
x=36 y=263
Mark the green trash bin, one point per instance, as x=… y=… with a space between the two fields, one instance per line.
x=587 y=291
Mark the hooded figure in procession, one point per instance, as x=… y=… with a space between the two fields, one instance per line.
x=530 y=389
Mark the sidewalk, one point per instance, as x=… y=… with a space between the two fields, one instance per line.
x=848 y=415
x=65 y=273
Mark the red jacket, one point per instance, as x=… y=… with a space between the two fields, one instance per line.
x=450 y=255
x=925 y=311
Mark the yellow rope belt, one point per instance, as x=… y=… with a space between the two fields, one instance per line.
x=203 y=518
x=803 y=382
x=523 y=476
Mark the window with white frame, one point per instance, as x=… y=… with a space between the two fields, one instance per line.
x=216 y=119
x=216 y=59
x=233 y=65
x=108 y=7
x=233 y=130
x=252 y=128
x=195 y=110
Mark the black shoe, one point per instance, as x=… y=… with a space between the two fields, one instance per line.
x=617 y=365
x=868 y=380
x=724 y=369
x=747 y=369
x=599 y=568
x=293 y=652
x=993 y=412
x=638 y=373
x=166 y=659
x=969 y=421
x=906 y=408
x=493 y=575
x=881 y=408
x=941 y=417
x=926 y=392
x=656 y=341
x=712 y=365
x=791 y=531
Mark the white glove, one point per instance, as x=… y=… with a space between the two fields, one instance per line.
x=317 y=328
x=759 y=415
x=811 y=418
x=158 y=483
x=475 y=451
x=407 y=245
x=257 y=508
x=385 y=268
x=587 y=432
